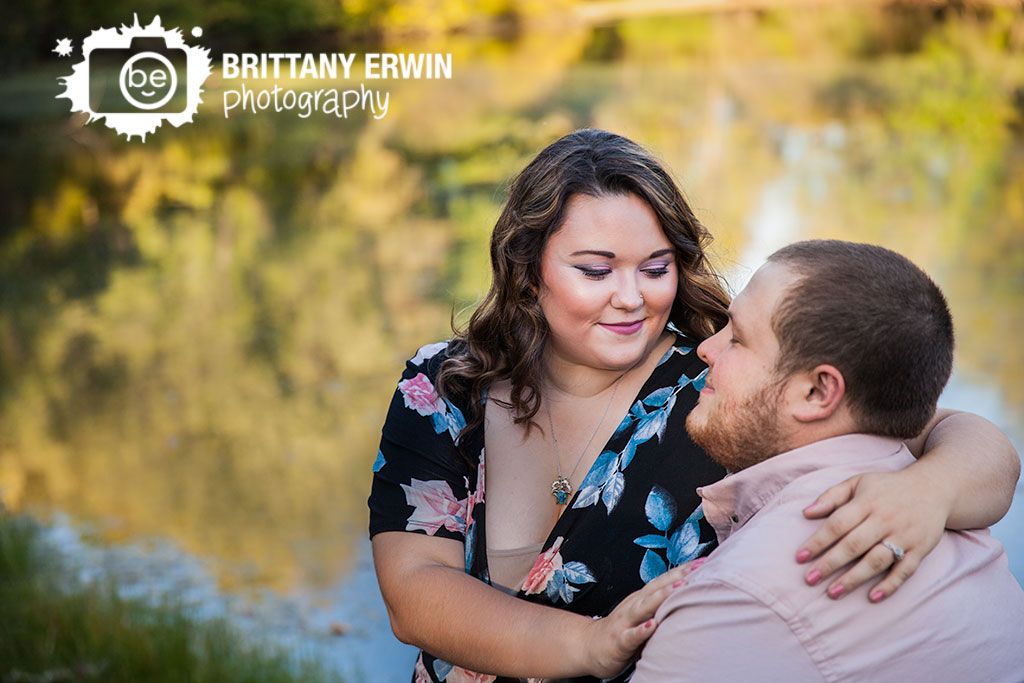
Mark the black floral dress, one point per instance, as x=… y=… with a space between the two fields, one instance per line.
x=635 y=515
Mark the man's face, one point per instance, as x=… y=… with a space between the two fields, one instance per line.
x=738 y=419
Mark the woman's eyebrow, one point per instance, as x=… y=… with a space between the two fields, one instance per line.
x=605 y=254
x=610 y=255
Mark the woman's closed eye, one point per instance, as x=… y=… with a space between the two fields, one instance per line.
x=594 y=273
x=656 y=271
x=653 y=272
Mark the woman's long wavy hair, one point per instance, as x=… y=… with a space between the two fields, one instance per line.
x=507 y=333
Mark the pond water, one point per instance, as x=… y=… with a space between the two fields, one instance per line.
x=199 y=336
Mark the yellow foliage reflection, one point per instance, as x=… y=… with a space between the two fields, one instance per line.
x=199 y=336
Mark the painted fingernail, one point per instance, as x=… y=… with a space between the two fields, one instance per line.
x=649 y=623
x=876 y=596
x=697 y=563
x=813 y=577
x=836 y=590
x=678 y=583
x=811 y=506
x=803 y=556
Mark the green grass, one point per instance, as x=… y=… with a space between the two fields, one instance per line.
x=53 y=629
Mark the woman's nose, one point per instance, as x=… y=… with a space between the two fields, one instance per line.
x=627 y=295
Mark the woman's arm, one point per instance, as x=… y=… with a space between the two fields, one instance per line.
x=964 y=478
x=436 y=606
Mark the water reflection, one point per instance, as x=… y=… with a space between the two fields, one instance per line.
x=199 y=336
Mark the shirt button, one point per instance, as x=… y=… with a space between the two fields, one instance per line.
x=735 y=519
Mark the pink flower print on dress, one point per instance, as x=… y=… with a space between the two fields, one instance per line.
x=421 y=671
x=419 y=395
x=543 y=569
x=460 y=675
x=436 y=506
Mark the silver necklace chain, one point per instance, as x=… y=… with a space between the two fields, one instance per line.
x=561 y=488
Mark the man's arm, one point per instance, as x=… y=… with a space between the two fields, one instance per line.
x=712 y=632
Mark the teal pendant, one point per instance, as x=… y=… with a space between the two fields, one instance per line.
x=561 y=489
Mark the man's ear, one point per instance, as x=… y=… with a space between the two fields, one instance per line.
x=820 y=392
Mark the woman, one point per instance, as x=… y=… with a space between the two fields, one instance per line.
x=577 y=372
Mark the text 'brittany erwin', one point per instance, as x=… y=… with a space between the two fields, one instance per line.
x=305 y=101
x=328 y=65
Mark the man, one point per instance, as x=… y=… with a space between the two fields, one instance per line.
x=833 y=353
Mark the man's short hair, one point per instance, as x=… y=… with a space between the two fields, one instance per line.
x=876 y=317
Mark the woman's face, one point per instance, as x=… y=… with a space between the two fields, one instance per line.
x=609 y=279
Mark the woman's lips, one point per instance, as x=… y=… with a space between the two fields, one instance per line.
x=623 y=328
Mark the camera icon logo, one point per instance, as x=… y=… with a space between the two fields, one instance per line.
x=137 y=77
x=154 y=78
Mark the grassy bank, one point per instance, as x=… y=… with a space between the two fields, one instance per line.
x=53 y=629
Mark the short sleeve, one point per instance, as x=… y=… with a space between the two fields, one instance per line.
x=420 y=482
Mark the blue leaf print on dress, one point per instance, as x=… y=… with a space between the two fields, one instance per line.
x=613 y=490
x=560 y=588
x=651 y=541
x=587 y=496
x=659 y=397
x=681 y=545
x=627 y=453
x=606 y=479
x=652 y=567
x=379 y=462
x=470 y=547
x=660 y=508
x=442 y=669
x=602 y=468
x=577 y=572
x=624 y=425
x=685 y=544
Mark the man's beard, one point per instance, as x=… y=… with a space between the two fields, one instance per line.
x=738 y=436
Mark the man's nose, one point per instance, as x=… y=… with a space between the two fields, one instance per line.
x=708 y=349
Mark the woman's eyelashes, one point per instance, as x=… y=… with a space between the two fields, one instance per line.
x=595 y=273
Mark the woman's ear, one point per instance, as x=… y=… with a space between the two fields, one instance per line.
x=820 y=392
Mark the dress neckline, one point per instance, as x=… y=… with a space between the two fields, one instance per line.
x=560 y=528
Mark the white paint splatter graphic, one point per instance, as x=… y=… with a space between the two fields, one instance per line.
x=63 y=47
x=148 y=78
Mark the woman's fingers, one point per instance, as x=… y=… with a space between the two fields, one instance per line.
x=881 y=507
x=646 y=601
x=619 y=636
x=634 y=638
x=874 y=562
x=832 y=498
x=900 y=572
x=836 y=527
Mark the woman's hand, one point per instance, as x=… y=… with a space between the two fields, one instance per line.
x=613 y=642
x=964 y=478
x=902 y=507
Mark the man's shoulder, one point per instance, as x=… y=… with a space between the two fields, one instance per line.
x=760 y=557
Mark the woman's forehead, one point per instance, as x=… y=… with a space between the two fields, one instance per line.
x=618 y=224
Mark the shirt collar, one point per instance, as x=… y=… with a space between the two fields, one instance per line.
x=728 y=504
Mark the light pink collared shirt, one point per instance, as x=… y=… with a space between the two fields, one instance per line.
x=748 y=615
